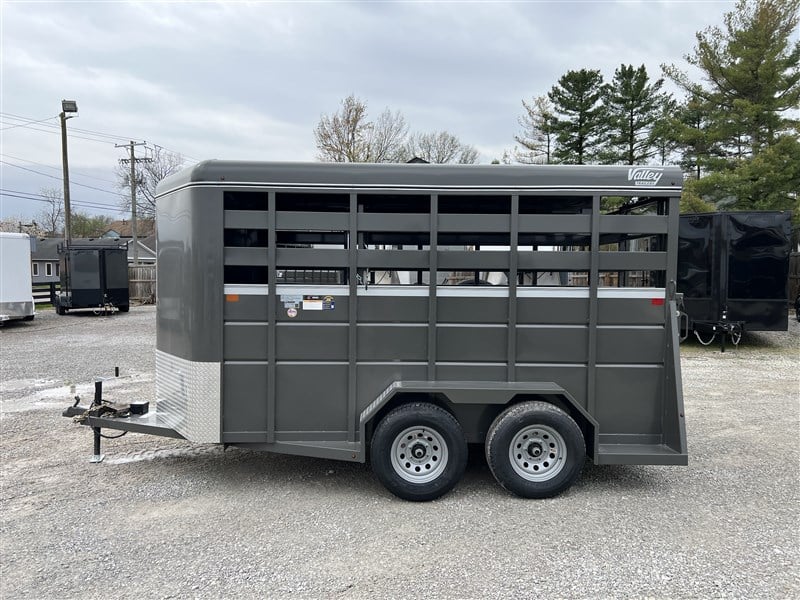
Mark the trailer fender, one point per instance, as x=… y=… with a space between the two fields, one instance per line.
x=487 y=393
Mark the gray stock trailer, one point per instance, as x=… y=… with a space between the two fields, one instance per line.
x=403 y=311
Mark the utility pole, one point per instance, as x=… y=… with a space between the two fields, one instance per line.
x=133 y=160
x=67 y=106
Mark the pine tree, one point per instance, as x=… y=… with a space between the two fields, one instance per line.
x=693 y=127
x=578 y=126
x=744 y=135
x=664 y=132
x=633 y=106
x=752 y=73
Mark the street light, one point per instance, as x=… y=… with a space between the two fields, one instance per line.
x=67 y=106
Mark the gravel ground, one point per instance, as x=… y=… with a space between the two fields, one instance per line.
x=162 y=518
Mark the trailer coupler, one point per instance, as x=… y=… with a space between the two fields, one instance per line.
x=101 y=408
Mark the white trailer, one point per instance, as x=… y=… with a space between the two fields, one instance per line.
x=16 y=296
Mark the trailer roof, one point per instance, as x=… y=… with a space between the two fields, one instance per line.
x=647 y=180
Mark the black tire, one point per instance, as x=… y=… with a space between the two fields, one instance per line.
x=418 y=451
x=29 y=317
x=124 y=307
x=551 y=461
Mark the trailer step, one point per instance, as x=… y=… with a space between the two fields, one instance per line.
x=338 y=450
x=639 y=454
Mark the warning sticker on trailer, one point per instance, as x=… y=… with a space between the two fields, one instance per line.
x=319 y=303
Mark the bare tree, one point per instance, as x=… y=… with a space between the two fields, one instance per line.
x=538 y=132
x=16 y=224
x=348 y=135
x=51 y=217
x=386 y=137
x=440 y=147
x=162 y=163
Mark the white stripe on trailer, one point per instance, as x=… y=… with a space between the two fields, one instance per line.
x=367 y=187
x=479 y=291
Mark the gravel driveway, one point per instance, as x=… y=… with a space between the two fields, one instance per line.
x=163 y=518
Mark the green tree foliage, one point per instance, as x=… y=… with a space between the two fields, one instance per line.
x=770 y=181
x=83 y=225
x=579 y=111
x=692 y=201
x=633 y=105
x=739 y=131
x=696 y=136
x=664 y=132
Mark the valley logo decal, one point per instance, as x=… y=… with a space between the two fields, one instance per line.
x=645 y=176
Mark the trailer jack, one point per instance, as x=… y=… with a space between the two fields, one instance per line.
x=97 y=408
x=134 y=416
x=97 y=456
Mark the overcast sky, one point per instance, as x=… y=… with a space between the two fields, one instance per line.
x=249 y=80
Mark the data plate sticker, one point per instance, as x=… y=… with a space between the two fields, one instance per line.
x=319 y=303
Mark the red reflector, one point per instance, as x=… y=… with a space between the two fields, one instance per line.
x=657 y=302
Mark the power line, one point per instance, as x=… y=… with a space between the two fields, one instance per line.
x=155 y=146
x=55 y=129
x=79 y=137
x=34 y=197
x=33 y=162
x=45 y=198
x=59 y=178
x=56 y=126
x=28 y=123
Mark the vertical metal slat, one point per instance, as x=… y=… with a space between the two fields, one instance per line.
x=512 y=289
x=594 y=277
x=432 y=302
x=352 y=316
x=272 y=331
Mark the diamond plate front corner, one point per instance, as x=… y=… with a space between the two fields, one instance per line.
x=189 y=396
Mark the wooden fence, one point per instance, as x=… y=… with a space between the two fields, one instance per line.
x=142 y=283
x=43 y=293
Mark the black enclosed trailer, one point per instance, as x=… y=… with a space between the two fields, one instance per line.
x=94 y=274
x=733 y=272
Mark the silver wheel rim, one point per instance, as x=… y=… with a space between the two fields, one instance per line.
x=419 y=454
x=537 y=453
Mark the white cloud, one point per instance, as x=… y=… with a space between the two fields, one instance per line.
x=250 y=80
